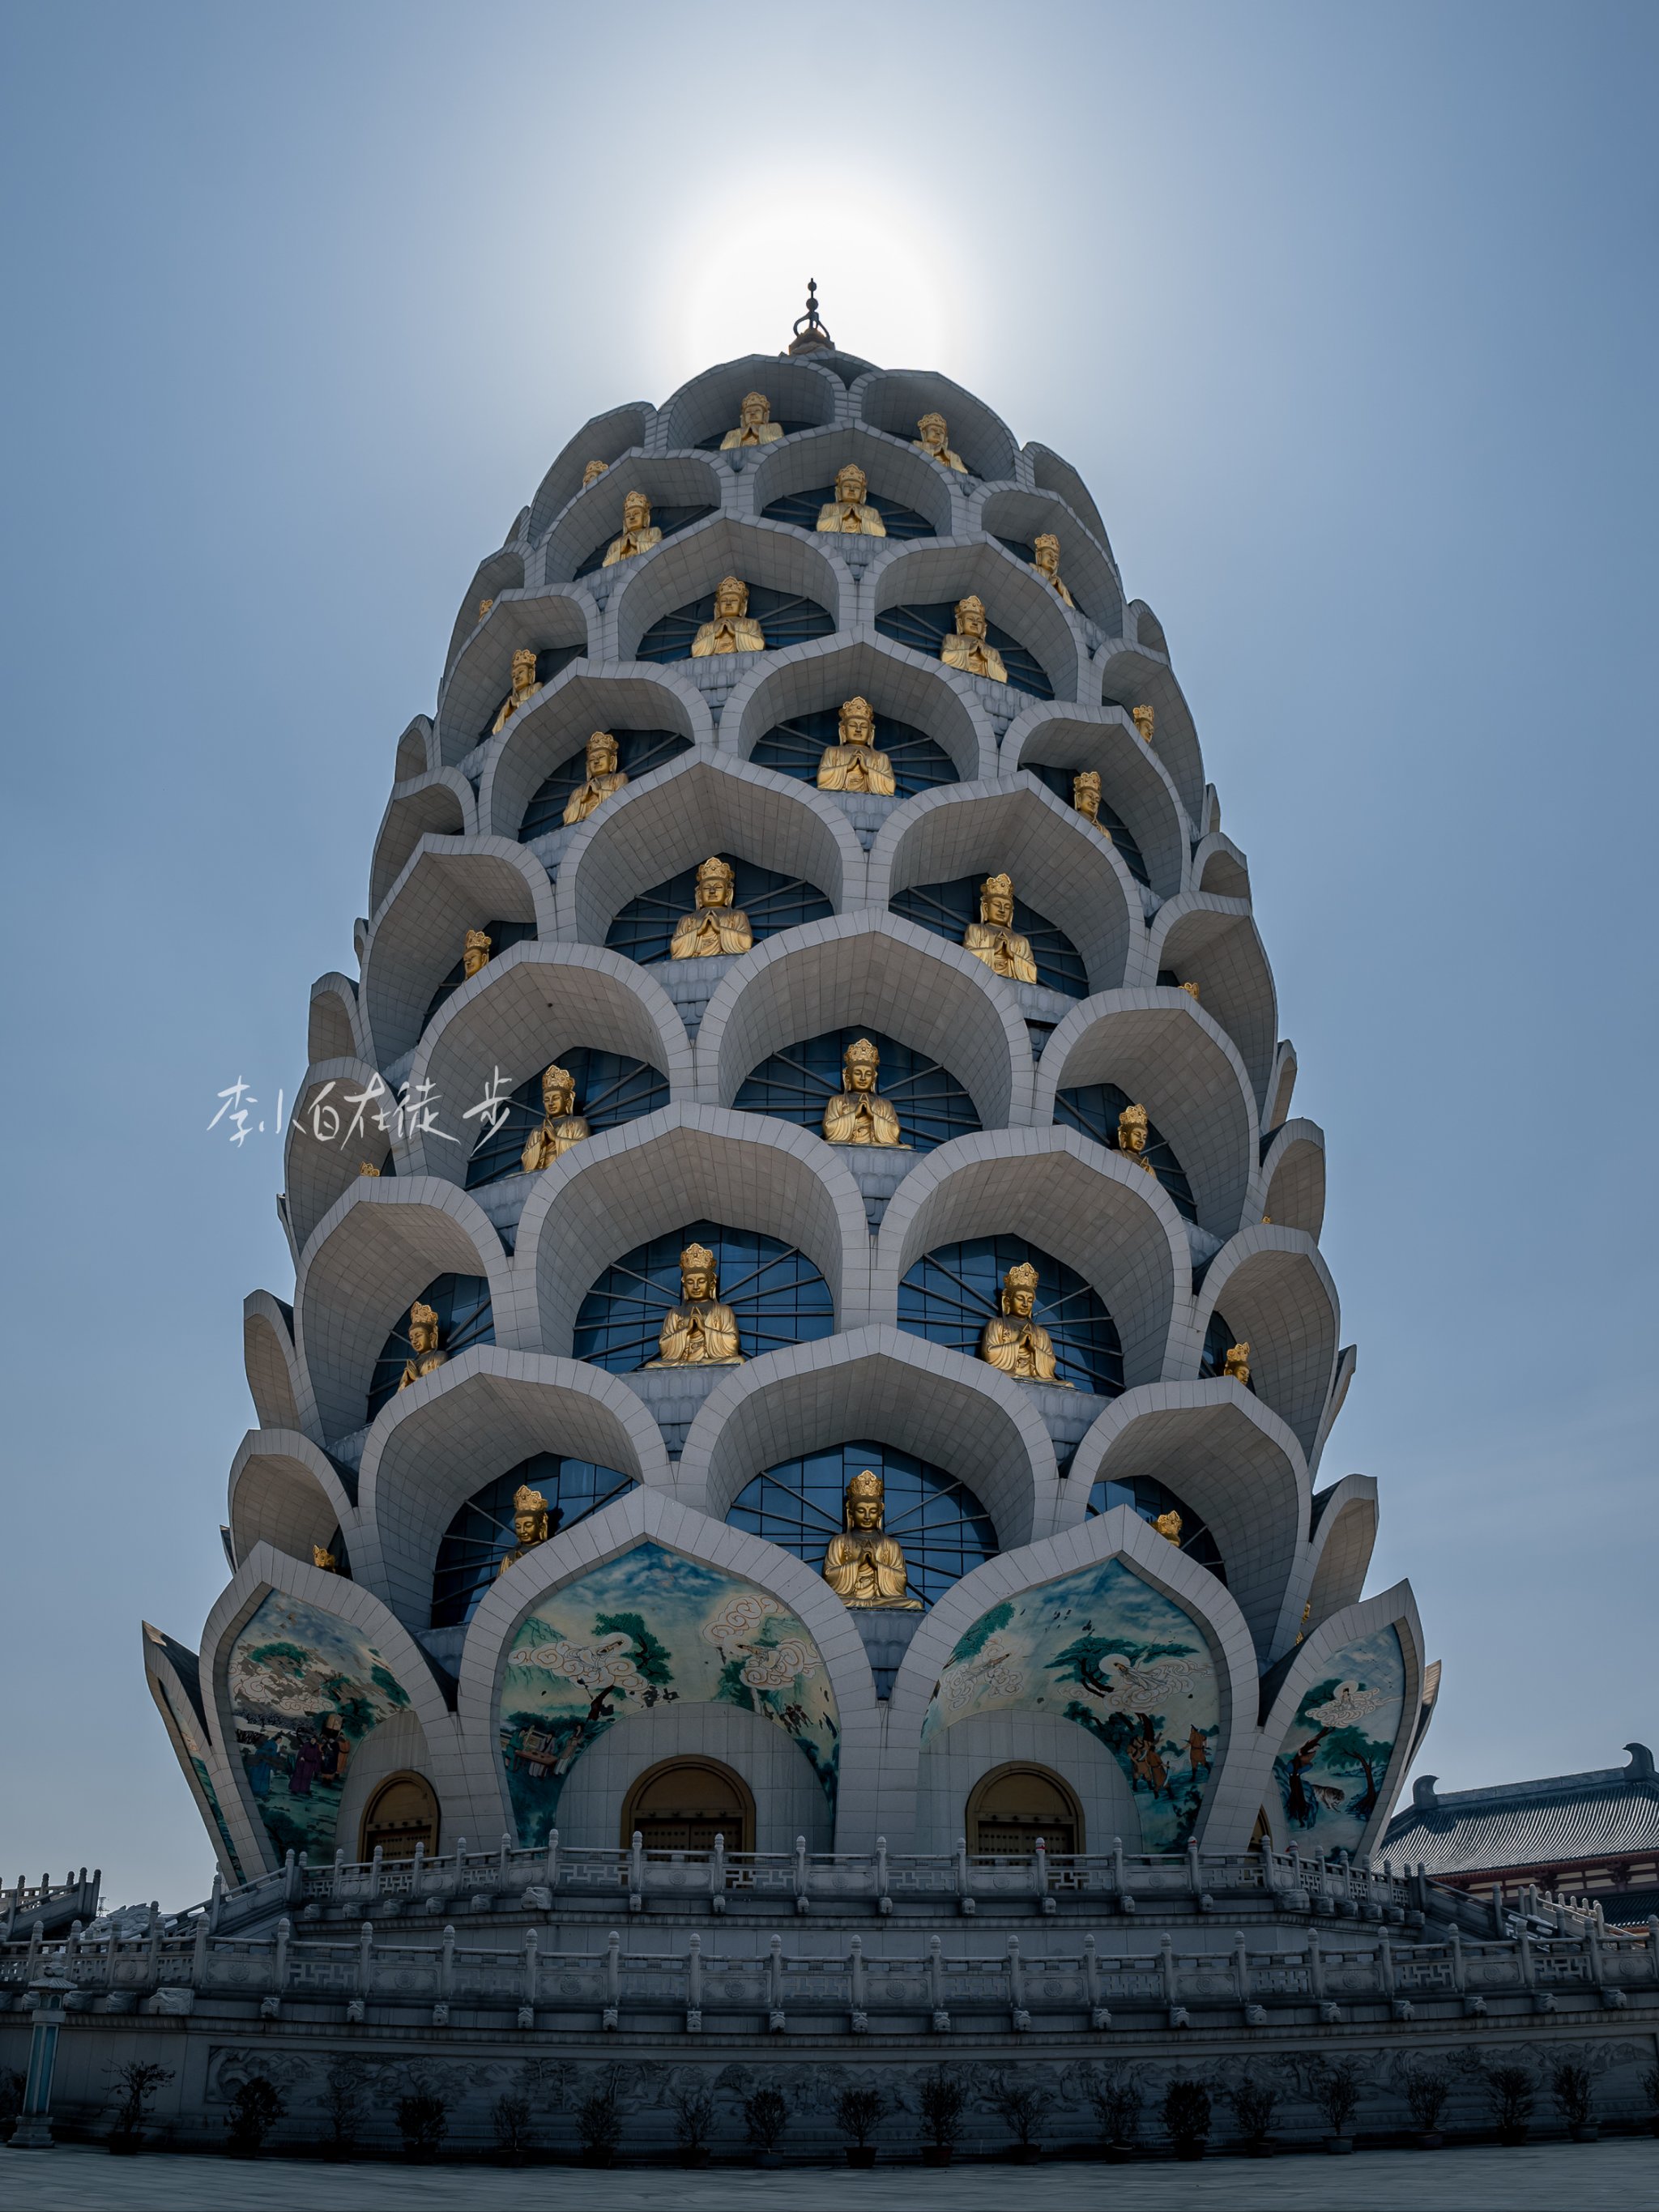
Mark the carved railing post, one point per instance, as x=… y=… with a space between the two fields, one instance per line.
x=374 y=1872
x=532 y=1964
x=1166 y=1968
x=279 y=1957
x=694 y=1985
x=803 y=1900
x=936 y=1983
x=198 y=1953
x=552 y=1871
x=884 y=1900
x=153 y=1956
x=447 y=1966
x=1118 y=1881
x=1040 y=1872
x=216 y=1902
x=964 y=1877
x=338 y=1881
x=774 y=1984
x=717 y=1874
x=1315 y=1965
x=636 y=1873
x=1385 y=1963
x=1241 y=1963
x=612 y=1978
x=365 y=1959
x=855 y=1977
x=1019 y=2016
x=1195 y=1870
x=1460 y=1974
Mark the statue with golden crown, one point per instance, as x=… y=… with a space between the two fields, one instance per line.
x=854 y=763
x=850 y=510
x=755 y=424
x=524 y=683
x=561 y=1125
x=698 y=1332
x=935 y=442
x=864 y=1565
x=638 y=534
x=967 y=647
x=533 y=1522
x=858 y=1114
x=1046 y=561
x=602 y=778
x=994 y=939
x=714 y=924
x=423 y=1353
x=731 y=628
x=1013 y=1339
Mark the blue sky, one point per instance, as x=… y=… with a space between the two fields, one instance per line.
x=1346 y=314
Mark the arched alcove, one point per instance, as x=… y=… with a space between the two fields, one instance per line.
x=402 y=1815
x=953 y=1291
x=462 y=1305
x=775 y=1292
x=1009 y=1808
x=683 y=1804
x=477 y=1542
x=796 y=1082
x=610 y=1088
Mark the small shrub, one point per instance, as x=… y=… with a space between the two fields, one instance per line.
x=858 y=2113
x=422 y=2122
x=1117 y=2102
x=1336 y=2092
x=765 y=2115
x=1254 y=2106
x=1512 y=2095
x=598 y=2118
x=944 y=2101
x=12 y=2085
x=1650 y=2086
x=1428 y=2093
x=1019 y=2108
x=1574 y=2092
x=1187 y=2111
x=343 y=2099
x=510 y=2117
x=138 y=2080
x=256 y=2105
x=693 y=2117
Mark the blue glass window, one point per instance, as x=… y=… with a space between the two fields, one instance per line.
x=785 y=618
x=481 y=1534
x=949 y=1296
x=947 y=909
x=712 y=445
x=933 y=1106
x=668 y=519
x=1150 y=1498
x=645 y=927
x=1218 y=1340
x=795 y=748
x=775 y=1292
x=638 y=751
x=1094 y=1109
x=462 y=1305
x=548 y=661
x=501 y=934
x=943 y=1529
x=1059 y=780
x=926 y=629
x=803 y=508
x=610 y=1089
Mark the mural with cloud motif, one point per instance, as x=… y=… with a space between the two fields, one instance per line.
x=1103 y=1648
x=305 y=1687
x=1336 y=1756
x=651 y=1627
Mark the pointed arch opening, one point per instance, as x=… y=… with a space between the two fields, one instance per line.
x=402 y=1815
x=1013 y=1805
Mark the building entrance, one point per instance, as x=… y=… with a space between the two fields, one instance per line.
x=683 y=1804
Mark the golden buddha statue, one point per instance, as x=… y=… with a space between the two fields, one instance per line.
x=1142 y=718
x=1168 y=1526
x=699 y=1332
x=1085 y=798
x=714 y=924
x=994 y=939
x=966 y=647
x=639 y=533
x=1192 y=990
x=604 y=777
x=368 y=1168
x=475 y=952
x=325 y=1560
x=853 y=764
x=592 y=472
x=1046 y=562
x=524 y=683
x=1131 y=1129
x=755 y=424
x=484 y=605
x=562 y=1125
x=1235 y=1364
x=1012 y=1341
x=424 y=1354
x=864 y=1565
x=858 y=1115
x=731 y=628
x=934 y=442
x=532 y=1524
x=850 y=509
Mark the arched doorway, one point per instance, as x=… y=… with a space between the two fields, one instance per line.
x=402 y=1813
x=683 y=1804
x=1012 y=1806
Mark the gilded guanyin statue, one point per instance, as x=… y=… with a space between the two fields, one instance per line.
x=934 y=441
x=476 y=950
x=863 y=1564
x=602 y=778
x=1012 y=1339
x=967 y=647
x=1144 y=721
x=561 y=1126
x=1132 y=1129
x=858 y=1114
x=714 y=924
x=755 y=424
x=731 y=628
x=592 y=472
x=524 y=683
x=1168 y=1526
x=1046 y=561
x=423 y=1353
x=532 y=1524
x=854 y=763
x=994 y=939
x=639 y=533
x=850 y=509
x=698 y=1332
x=1235 y=1364
x=1085 y=798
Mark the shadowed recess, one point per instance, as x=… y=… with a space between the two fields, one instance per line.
x=925 y=628
x=645 y=926
x=1059 y=780
x=953 y=1292
x=481 y=1534
x=775 y=1293
x=1152 y=1500
x=548 y=661
x=638 y=751
x=1093 y=1108
x=803 y=509
x=947 y=909
x=668 y=519
x=932 y=1106
x=786 y=618
x=501 y=934
x=795 y=748
x=610 y=1089
x=462 y=1305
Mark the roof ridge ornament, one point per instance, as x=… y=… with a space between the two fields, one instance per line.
x=810 y=336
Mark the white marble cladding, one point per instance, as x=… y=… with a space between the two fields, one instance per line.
x=1207 y=1061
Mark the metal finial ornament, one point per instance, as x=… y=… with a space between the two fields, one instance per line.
x=810 y=336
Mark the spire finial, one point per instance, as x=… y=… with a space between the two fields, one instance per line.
x=810 y=336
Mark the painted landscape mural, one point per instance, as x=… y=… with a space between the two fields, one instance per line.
x=1103 y=1649
x=1336 y=1750
x=305 y=1688
x=647 y=1628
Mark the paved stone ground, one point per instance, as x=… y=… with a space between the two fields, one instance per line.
x=1610 y=2176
